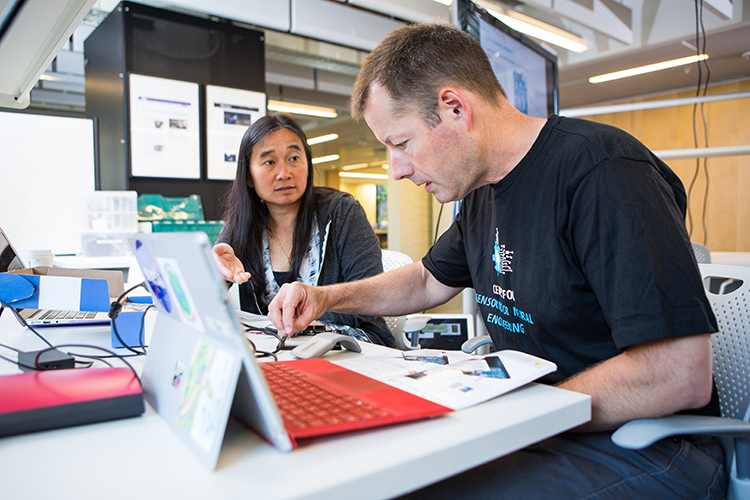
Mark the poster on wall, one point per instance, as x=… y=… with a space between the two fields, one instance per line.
x=229 y=112
x=164 y=128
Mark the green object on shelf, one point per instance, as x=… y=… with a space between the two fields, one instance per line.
x=211 y=227
x=155 y=207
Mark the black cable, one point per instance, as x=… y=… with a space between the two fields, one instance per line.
x=18 y=363
x=85 y=346
x=23 y=322
x=51 y=347
x=705 y=128
x=11 y=348
x=141 y=333
x=437 y=226
x=702 y=88
x=114 y=311
x=281 y=340
x=695 y=127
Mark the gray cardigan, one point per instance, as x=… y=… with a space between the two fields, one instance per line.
x=349 y=251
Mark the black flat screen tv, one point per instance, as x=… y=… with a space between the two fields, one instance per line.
x=525 y=69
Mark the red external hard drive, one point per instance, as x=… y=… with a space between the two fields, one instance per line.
x=52 y=399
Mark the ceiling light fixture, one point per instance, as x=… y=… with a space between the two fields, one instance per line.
x=648 y=68
x=355 y=166
x=302 y=109
x=323 y=159
x=537 y=29
x=322 y=138
x=355 y=175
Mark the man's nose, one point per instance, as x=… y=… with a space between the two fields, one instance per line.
x=399 y=168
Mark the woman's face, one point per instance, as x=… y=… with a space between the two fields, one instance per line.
x=278 y=168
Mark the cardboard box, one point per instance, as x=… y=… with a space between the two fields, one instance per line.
x=70 y=289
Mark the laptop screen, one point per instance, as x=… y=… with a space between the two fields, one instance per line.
x=9 y=259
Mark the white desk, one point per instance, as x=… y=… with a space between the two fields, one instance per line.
x=141 y=458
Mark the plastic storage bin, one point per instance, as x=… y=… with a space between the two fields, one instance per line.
x=111 y=216
x=211 y=227
x=112 y=211
x=153 y=207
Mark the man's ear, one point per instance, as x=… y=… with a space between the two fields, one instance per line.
x=456 y=103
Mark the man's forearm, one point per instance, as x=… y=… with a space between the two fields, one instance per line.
x=405 y=290
x=647 y=381
x=402 y=291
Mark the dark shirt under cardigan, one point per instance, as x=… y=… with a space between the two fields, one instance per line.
x=350 y=251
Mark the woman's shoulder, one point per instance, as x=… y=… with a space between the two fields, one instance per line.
x=328 y=193
x=329 y=199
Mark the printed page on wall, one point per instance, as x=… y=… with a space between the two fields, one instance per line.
x=164 y=128
x=229 y=112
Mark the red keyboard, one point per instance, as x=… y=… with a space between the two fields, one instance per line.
x=304 y=405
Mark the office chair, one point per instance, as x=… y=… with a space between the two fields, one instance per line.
x=393 y=260
x=702 y=255
x=728 y=290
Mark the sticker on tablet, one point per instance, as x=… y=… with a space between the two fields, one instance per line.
x=179 y=292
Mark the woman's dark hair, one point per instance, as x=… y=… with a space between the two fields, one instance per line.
x=246 y=216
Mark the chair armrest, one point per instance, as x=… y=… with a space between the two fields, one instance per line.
x=642 y=433
x=472 y=345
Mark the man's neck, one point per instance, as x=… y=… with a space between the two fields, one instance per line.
x=509 y=137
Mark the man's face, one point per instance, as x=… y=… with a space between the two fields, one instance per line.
x=440 y=157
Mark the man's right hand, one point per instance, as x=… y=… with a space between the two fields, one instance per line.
x=296 y=306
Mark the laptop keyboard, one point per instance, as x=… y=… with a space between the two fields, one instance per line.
x=304 y=405
x=60 y=315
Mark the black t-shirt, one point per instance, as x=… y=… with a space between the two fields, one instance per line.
x=578 y=253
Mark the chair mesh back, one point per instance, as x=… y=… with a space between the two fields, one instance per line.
x=731 y=344
x=702 y=255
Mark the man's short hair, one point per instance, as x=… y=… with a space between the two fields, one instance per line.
x=414 y=62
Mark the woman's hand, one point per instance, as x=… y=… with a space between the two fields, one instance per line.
x=229 y=265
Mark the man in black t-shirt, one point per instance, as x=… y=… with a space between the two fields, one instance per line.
x=572 y=234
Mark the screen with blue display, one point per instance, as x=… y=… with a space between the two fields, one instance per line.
x=527 y=71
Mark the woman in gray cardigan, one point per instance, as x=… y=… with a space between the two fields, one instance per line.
x=279 y=228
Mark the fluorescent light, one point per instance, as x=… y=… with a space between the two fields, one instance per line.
x=538 y=29
x=444 y=2
x=322 y=138
x=302 y=109
x=648 y=68
x=355 y=166
x=355 y=175
x=323 y=159
x=386 y=166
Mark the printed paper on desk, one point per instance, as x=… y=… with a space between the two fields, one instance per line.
x=449 y=384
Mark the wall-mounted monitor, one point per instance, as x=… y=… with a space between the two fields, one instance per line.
x=525 y=69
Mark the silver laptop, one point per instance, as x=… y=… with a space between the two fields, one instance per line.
x=10 y=260
x=200 y=366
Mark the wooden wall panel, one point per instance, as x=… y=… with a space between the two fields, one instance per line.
x=728 y=207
